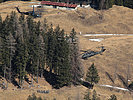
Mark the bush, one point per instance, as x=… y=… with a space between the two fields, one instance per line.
x=113 y=97
x=33 y=97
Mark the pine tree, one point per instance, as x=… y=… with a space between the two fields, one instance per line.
x=4 y=48
x=7 y=48
x=0 y=24
x=33 y=47
x=1 y=1
x=128 y=3
x=41 y=54
x=24 y=28
x=64 y=75
x=20 y=61
x=119 y=2
x=50 y=48
x=76 y=66
x=92 y=75
x=14 y=26
x=1 y=45
x=45 y=40
x=108 y=4
x=57 y=40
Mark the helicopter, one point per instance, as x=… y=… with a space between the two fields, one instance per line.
x=90 y=53
x=31 y=13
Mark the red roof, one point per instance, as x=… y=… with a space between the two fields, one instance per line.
x=59 y=4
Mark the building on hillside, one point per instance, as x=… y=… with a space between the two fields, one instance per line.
x=58 y=5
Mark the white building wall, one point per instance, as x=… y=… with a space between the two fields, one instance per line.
x=71 y=8
x=62 y=8
x=46 y=6
x=58 y=7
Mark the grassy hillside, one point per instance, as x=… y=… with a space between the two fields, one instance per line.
x=86 y=20
x=115 y=60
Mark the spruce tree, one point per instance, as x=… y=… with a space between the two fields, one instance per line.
x=24 y=28
x=76 y=66
x=1 y=45
x=92 y=75
x=40 y=54
x=119 y=2
x=33 y=47
x=0 y=24
x=45 y=41
x=57 y=39
x=7 y=48
x=64 y=75
x=5 y=51
x=128 y=3
x=20 y=61
x=50 y=48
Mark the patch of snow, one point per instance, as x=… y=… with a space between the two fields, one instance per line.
x=107 y=34
x=115 y=87
x=97 y=40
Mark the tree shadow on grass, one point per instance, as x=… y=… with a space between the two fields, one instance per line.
x=15 y=83
x=87 y=84
x=50 y=77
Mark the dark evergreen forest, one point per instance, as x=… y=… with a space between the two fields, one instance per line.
x=36 y=49
x=105 y=4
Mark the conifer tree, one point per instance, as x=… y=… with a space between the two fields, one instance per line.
x=33 y=47
x=4 y=48
x=76 y=66
x=7 y=48
x=14 y=26
x=1 y=45
x=55 y=64
x=1 y=1
x=92 y=75
x=128 y=3
x=50 y=48
x=20 y=61
x=119 y=2
x=42 y=56
x=0 y=24
x=64 y=75
x=45 y=26
x=45 y=39
x=24 y=28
